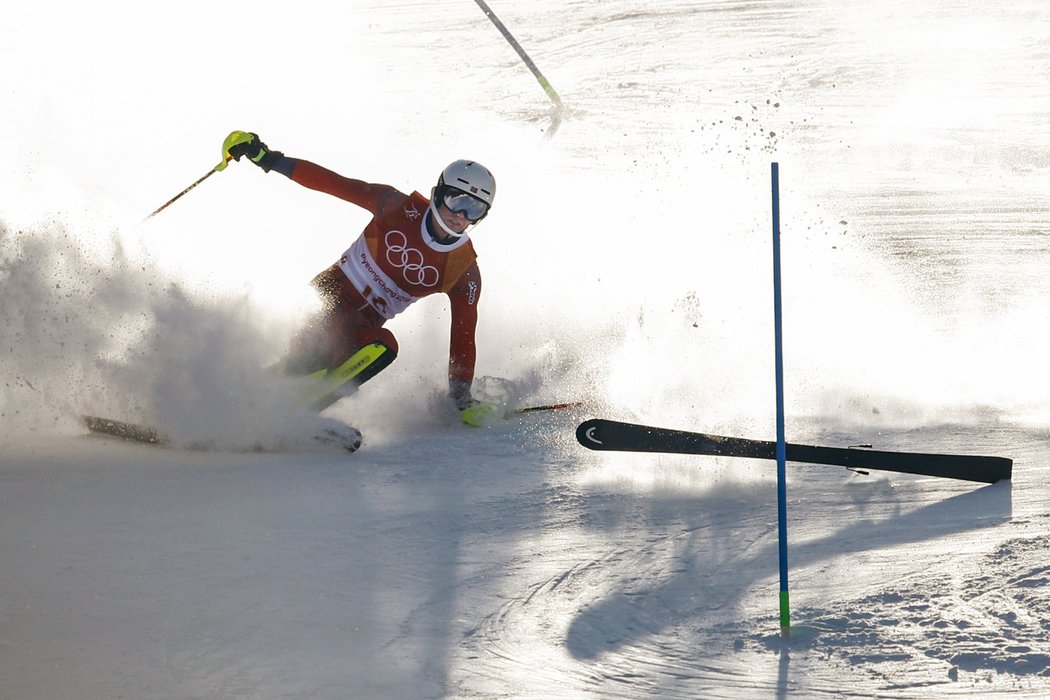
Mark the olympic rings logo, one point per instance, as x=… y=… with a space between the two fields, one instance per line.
x=410 y=260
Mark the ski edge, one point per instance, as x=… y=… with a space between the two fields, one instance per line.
x=133 y=432
x=348 y=441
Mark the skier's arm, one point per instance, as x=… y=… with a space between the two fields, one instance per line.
x=462 y=354
x=307 y=174
x=363 y=194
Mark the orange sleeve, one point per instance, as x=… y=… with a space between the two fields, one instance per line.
x=363 y=194
x=462 y=352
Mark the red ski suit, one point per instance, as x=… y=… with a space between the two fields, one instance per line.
x=393 y=263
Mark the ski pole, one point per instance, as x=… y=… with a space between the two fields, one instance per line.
x=217 y=168
x=549 y=407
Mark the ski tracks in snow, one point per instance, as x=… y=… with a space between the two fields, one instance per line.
x=630 y=622
x=945 y=628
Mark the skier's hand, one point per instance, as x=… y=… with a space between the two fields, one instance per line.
x=471 y=411
x=459 y=392
x=242 y=143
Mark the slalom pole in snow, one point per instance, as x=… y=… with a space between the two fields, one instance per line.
x=781 y=450
x=544 y=83
x=217 y=168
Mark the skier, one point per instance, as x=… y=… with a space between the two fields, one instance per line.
x=412 y=247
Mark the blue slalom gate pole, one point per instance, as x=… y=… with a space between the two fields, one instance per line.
x=778 y=330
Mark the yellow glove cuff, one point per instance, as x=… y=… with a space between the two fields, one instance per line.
x=232 y=140
x=481 y=415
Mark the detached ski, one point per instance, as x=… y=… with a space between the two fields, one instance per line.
x=600 y=434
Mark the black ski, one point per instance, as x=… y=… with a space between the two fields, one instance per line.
x=600 y=434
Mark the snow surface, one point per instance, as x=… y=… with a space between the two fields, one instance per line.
x=627 y=265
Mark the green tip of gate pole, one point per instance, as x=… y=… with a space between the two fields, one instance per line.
x=785 y=613
x=544 y=83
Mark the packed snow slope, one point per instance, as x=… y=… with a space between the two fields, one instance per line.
x=627 y=265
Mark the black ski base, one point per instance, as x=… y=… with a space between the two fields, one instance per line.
x=600 y=434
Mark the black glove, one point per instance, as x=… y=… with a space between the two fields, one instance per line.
x=240 y=143
x=471 y=411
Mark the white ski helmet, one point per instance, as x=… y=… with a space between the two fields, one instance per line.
x=465 y=176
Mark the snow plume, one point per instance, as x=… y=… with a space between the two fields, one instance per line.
x=58 y=316
x=88 y=330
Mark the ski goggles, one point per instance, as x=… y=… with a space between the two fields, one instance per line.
x=467 y=204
